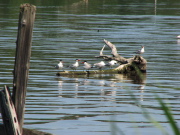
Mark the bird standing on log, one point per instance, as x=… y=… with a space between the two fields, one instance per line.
x=111 y=63
x=86 y=66
x=60 y=65
x=75 y=65
x=141 y=51
x=99 y=65
x=178 y=36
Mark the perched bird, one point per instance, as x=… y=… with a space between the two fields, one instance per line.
x=60 y=65
x=75 y=65
x=86 y=66
x=178 y=36
x=141 y=50
x=99 y=65
x=111 y=63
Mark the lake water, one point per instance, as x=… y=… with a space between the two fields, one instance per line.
x=96 y=104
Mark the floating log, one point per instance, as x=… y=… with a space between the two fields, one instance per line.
x=131 y=68
x=110 y=71
x=134 y=65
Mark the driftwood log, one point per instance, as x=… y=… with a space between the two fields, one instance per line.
x=135 y=65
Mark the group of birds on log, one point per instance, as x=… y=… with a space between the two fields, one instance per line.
x=88 y=66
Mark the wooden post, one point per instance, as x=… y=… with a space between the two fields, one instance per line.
x=22 y=59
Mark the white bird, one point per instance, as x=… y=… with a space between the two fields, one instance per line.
x=75 y=65
x=60 y=65
x=111 y=63
x=178 y=36
x=141 y=50
x=99 y=65
x=86 y=66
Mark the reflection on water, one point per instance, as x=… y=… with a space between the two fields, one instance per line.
x=106 y=86
x=178 y=41
x=95 y=104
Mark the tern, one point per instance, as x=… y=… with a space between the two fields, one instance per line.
x=86 y=66
x=60 y=65
x=178 y=36
x=111 y=63
x=99 y=65
x=141 y=51
x=75 y=65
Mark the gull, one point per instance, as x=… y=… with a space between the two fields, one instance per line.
x=75 y=65
x=111 y=63
x=60 y=65
x=141 y=50
x=86 y=66
x=99 y=65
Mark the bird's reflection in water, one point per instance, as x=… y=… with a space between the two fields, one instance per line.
x=60 y=87
x=104 y=85
x=178 y=41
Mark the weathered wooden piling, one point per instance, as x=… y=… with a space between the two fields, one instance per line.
x=13 y=112
x=22 y=58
